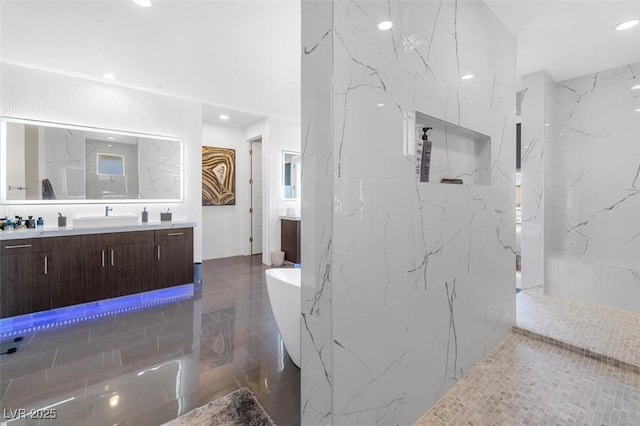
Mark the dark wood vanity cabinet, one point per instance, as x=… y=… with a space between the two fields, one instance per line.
x=77 y=270
x=174 y=257
x=129 y=262
x=44 y=273
x=24 y=278
x=290 y=239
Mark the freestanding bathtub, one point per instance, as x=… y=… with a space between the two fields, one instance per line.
x=283 y=286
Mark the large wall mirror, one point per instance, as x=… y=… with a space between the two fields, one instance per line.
x=291 y=174
x=58 y=163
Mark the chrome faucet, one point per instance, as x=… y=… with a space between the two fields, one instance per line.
x=107 y=209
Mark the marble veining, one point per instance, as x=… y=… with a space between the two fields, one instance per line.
x=405 y=285
x=580 y=191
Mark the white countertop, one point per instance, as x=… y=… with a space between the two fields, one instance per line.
x=291 y=217
x=69 y=230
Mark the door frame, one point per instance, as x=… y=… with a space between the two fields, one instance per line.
x=265 y=200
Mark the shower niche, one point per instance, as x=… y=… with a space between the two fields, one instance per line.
x=453 y=154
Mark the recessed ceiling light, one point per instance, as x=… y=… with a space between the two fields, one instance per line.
x=109 y=145
x=637 y=109
x=626 y=25
x=143 y=3
x=467 y=77
x=110 y=138
x=385 y=25
x=108 y=76
x=380 y=105
x=636 y=87
x=547 y=124
x=224 y=117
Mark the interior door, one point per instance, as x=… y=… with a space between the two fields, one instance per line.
x=256 y=197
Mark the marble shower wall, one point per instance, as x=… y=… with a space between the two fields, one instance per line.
x=597 y=181
x=317 y=226
x=597 y=189
x=406 y=285
x=536 y=166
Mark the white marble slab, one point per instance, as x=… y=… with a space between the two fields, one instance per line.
x=48 y=232
x=405 y=285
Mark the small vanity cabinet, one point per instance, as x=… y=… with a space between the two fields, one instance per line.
x=38 y=274
x=290 y=238
x=174 y=257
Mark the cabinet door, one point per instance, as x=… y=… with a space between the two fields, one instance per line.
x=78 y=275
x=290 y=239
x=24 y=283
x=174 y=257
x=130 y=268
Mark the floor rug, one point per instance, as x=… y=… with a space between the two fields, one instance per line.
x=239 y=408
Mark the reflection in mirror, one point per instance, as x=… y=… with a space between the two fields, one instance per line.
x=292 y=174
x=45 y=161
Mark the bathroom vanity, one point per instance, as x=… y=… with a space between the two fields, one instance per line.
x=290 y=238
x=43 y=270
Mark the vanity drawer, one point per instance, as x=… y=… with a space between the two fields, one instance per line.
x=29 y=245
x=174 y=234
x=127 y=238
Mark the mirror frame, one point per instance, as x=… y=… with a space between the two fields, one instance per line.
x=285 y=152
x=3 y=164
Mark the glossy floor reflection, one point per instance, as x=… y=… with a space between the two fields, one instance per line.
x=150 y=366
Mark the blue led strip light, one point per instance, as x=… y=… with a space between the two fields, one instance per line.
x=73 y=314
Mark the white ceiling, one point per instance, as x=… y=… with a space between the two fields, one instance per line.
x=236 y=55
x=570 y=38
x=211 y=114
x=244 y=55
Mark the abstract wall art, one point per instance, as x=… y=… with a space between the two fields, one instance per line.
x=218 y=176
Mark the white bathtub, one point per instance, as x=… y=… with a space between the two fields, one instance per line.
x=283 y=286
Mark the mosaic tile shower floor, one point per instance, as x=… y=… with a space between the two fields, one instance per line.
x=525 y=381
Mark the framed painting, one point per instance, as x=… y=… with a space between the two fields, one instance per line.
x=218 y=176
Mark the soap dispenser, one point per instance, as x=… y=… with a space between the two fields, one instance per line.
x=145 y=215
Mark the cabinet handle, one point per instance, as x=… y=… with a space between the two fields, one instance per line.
x=158 y=251
x=112 y=260
x=173 y=234
x=103 y=258
x=18 y=246
x=46 y=265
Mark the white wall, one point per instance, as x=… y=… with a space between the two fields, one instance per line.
x=405 y=285
x=277 y=135
x=45 y=96
x=223 y=227
x=284 y=135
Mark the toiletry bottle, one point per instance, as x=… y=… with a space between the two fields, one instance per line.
x=426 y=156
x=40 y=223
x=145 y=215
x=31 y=223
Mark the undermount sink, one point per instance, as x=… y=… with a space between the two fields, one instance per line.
x=104 y=221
